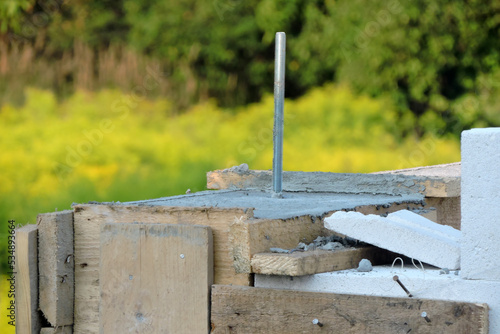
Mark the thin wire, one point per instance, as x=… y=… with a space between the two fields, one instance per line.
x=393 y=262
x=421 y=265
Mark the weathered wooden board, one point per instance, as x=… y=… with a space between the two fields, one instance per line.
x=448 y=210
x=381 y=183
x=28 y=318
x=58 y=330
x=155 y=278
x=234 y=244
x=56 y=267
x=316 y=261
x=88 y=220
x=238 y=309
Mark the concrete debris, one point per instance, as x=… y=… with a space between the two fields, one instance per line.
x=365 y=266
x=444 y=271
x=330 y=243
x=335 y=239
x=331 y=246
x=241 y=169
x=402 y=232
x=278 y=250
x=303 y=247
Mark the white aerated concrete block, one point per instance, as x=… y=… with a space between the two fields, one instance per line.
x=428 y=284
x=402 y=232
x=481 y=204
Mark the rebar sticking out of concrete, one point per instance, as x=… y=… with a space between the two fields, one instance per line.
x=279 y=97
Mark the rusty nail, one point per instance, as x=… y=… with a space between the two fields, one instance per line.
x=424 y=315
x=316 y=322
x=396 y=278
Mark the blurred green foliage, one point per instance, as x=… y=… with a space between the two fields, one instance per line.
x=10 y=11
x=438 y=59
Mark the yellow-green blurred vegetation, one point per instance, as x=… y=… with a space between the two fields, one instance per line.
x=5 y=328
x=108 y=146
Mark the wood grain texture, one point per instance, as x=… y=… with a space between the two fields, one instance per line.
x=28 y=318
x=89 y=218
x=56 y=267
x=155 y=278
x=448 y=210
x=249 y=237
x=237 y=237
x=382 y=183
x=258 y=310
x=317 y=261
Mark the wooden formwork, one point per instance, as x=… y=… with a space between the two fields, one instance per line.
x=237 y=309
x=104 y=236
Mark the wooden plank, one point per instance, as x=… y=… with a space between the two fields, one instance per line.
x=234 y=244
x=57 y=330
x=88 y=221
x=238 y=309
x=28 y=319
x=448 y=210
x=253 y=236
x=155 y=278
x=56 y=267
x=380 y=183
x=317 y=261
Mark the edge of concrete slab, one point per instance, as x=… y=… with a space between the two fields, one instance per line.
x=379 y=183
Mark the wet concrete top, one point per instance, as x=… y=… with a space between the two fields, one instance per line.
x=293 y=204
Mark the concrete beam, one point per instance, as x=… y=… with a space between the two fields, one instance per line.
x=383 y=183
x=402 y=232
x=452 y=170
x=480 y=204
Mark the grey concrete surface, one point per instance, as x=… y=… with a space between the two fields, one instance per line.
x=293 y=204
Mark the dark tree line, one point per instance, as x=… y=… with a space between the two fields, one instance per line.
x=439 y=59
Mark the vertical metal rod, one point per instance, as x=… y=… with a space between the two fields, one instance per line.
x=279 y=97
